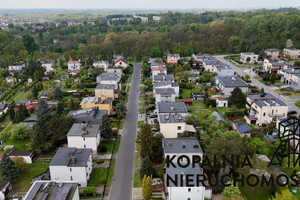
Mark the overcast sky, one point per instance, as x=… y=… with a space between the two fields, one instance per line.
x=156 y=4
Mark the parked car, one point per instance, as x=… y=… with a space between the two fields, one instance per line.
x=268 y=83
x=292 y=112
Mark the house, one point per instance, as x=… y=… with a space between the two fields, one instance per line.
x=102 y=103
x=27 y=156
x=201 y=57
x=72 y=164
x=173 y=58
x=197 y=96
x=209 y=64
x=11 y=80
x=188 y=146
x=3 y=108
x=144 y=19
x=5 y=188
x=110 y=78
x=221 y=102
x=272 y=53
x=295 y=82
x=16 y=67
x=242 y=129
x=273 y=66
x=107 y=90
x=53 y=190
x=45 y=78
x=25 y=102
x=63 y=77
x=92 y=115
x=223 y=69
x=192 y=79
x=293 y=53
x=114 y=69
x=286 y=74
x=156 y=18
x=157 y=68
x=164 y=94
x=101 y=64
x=195 y=72
x=182 y=190
x=163 y=77
x=121 y=62
x=44 y=96
x=84 y=135
x=47 y=64
x=252 y=97
x=251 y=58
x=74 y=66
x=30 y=121
x=226 y=84
x=171 y=124
x=264 y=111
x=167 y=84
x=188 y=102
x=172 y=107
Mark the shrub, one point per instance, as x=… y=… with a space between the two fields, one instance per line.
x=89 y=191
x=102 y=148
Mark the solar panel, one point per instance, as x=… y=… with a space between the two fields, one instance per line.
x=280 y=102
x=260 y=103
x=244 y=128
x=63 y=192
x=34 y=191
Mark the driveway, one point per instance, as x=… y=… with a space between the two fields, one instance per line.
x=268 y=89
x=122 y=183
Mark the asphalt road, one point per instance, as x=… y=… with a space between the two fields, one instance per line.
x=268 y=89
x=122 y=183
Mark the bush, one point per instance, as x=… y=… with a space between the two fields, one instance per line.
x=90 y=191
x=99 y=161
x=102 y=148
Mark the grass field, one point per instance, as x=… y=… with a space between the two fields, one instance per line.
x=298 y=104
x=109 y=145
x=287 y=93
x=255 y=193
x=98 y=176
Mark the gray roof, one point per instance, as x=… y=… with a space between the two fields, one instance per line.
x=171 y=118
x=269 y=102
x=181 y=145
x=172 y=171
x=243 y=128
x=84 y=130
x=162 y=83
x=192 y=78
x=231 y=81
x=168 y=77
x=24 y=102
x=175 y=55
x=109 y=77
x=106 y=86
x=212 y=62
x=222 y=66
x=171 y=107
x=272 y=50
x=2 y=106
x=292 y=70
x=165 y=91
x=64 y=155
x=175 y=84
x=256 y=96
x=92 y=115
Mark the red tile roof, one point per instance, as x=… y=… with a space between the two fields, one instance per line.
x=159 y=69
x=73 y=61
x=122 y=59
x=187 y=100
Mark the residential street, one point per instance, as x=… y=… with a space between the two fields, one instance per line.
x=122 y=183
x=290 y=101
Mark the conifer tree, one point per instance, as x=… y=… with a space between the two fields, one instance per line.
x=8 y=169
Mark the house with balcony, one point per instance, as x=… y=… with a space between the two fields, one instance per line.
x=273 y=66
x=293 y=53
x=102 y=103
x=107 y=90
x=164 y=94
x=74 y=66
x=16 y=68
x=226 y=84
x=264 y=111
x=84 y=135
x=47 y=64
x=252 y=97
x=101 y=64
x=286 y=74
x=249 y=57
x=272 y=53
x=173 y=58
x=209 y=64
x=72 y=164
x=111 y=79
x=165 y=85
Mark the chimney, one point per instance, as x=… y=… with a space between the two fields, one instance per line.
x=73 y=159
x=170 y=144
x=172 y=107
x=183 y=145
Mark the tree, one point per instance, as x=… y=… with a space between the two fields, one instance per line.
x=219 y=187
x=262 y=90
x=35 y=92
x=297 y=63
x=260 y=145
x=284 y=195
x=38 y=74
x=31 y=66
x=43 y=108
x=72 y=104
x=121 y=108
x=106 y=131
x=21 y=114
x=20 y=163
x=2 y=64
x=11 y=114
x=145 y=138
x=231 y=190
x=237 y=98
x=157 y=150
x=60 y=108
x=147 y=168
x=20 y=132
x=29 y=95
x=8 y=169
x=58 y=94
x=289 y=43
x=29 y=43
x=147 y=188
x=155 y=52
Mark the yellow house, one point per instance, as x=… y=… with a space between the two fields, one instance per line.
x=102 y=103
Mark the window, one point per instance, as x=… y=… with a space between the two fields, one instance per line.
x=188 y=198
x=189 y=189
x=83 y=139
x=70 y=169
x=71 y=178
x=264 y=114
x=84 y=146
x=178 y=127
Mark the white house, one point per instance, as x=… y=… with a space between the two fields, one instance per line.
x=252 y=97
x=182 y=190
x=171 y=124
x=27 y=156
x=223 y=69
x=187 y=146
x=286 y=74
x=16 y=67
x=173 y=58
x=167 y=84
x=164 y=94
x=172 y=107
x=121 y=62
x=226 y=84
x=209 y=64
x=72 y=164
x=114 y=69
x=202 y=57
x=264 y=111
x=294 y=53
x=53 y=190
x=163 y=77
x=252 y=57
x=273 y=66
x=222 y=102
x=110 y=78
x=84 y=135
x=74 y=66
x=158 y=68
x=101 y=64
x=272 y=53
x=48 y=65
x=295 y=81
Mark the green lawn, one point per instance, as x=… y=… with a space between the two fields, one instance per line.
x=137 y=181
x=186 y=93
x=298 y=104
x=109 y=145
x=20 y=145
x=110 y=176
x=22 y=184
x=255 y=193
x=287 y=93
x=198 y=109
x=98 y=176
